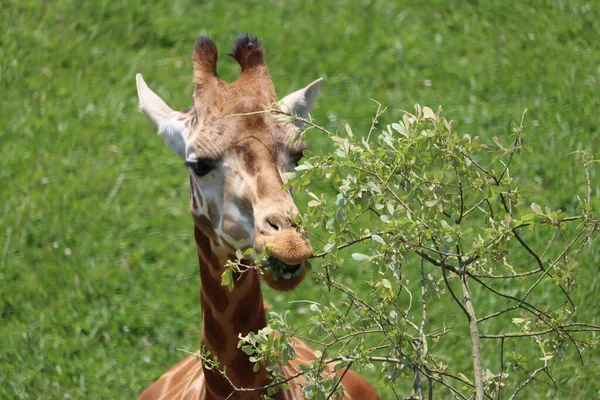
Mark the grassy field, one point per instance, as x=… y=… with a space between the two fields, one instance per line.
x=98 y=274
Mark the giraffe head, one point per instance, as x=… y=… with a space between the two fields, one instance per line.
x=237 y=156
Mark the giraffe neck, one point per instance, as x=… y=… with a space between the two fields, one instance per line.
x=225 y=315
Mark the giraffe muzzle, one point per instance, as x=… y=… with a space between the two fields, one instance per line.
x=287 y=263
x=280 y=270
x=288 y=246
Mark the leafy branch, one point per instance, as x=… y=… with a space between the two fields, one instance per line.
x=416 y=193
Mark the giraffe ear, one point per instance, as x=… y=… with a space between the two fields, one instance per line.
x=301 y=101
x=173 y=131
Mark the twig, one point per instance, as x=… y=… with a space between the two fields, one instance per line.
x=375 y=119
x=350 y=243
x=587 y=178
x=337 y=384
x=529 y=379
x=513 y=276
x=558 y=329
x=461 y=195
x=297 y=118
x=456 y=300
x=515 y=146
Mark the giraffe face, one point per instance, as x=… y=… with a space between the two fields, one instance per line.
x=237 y=177
x=237 y=156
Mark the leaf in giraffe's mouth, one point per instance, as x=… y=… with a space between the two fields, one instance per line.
x=278 y=269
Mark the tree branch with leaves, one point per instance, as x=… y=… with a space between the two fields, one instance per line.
x=440 y=224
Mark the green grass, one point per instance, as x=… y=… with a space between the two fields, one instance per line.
x=98 y=275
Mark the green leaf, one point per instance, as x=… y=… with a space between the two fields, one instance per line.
x=373 y=187
x=399 y=128
x=377 y=238
x=328 y=246
x=528 y=217
x=537 y=209
x=304 y=166
x=227 y=279
x=349 y=130
x=428 y=113
x=314 y=196
x=360 y=257
x=431 y=203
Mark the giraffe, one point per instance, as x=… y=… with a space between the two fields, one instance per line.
x=236 y=157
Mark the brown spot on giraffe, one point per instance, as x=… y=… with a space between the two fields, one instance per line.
x=261 y=186
x=212 y=329
x=204 y=225
x=246 y=315
x=217 y=385
x=246 y=376
x=233 y=229
x=250 y=162
x=216 y=293
x=213 y=213
x=202 y=240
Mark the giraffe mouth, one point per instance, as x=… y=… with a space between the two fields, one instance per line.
x=280 y=270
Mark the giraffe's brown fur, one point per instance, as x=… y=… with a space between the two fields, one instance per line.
x=237 y=156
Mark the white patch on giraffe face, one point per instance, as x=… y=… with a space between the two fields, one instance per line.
x=224 y=202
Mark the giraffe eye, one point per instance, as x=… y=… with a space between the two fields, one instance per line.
x=200 y=168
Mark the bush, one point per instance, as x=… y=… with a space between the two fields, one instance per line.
x=456 y=257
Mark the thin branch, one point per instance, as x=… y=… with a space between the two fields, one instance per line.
x=515 y=147
x=513 y=276
x=347 y=244
x=378 y=113
x=587 y=177
x=476 y=348
x=501 y=367
x=337 y=384
x=522 y=304
x=495 y=314
x=294 y=117
x=542 y=368
x=473 y=207
x=461 y=195
x=456 y=300
x=558 y=329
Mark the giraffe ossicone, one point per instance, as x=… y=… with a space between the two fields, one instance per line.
x=237 y=157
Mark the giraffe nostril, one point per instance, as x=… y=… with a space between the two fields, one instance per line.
x=275 y=223
x=272 y=225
